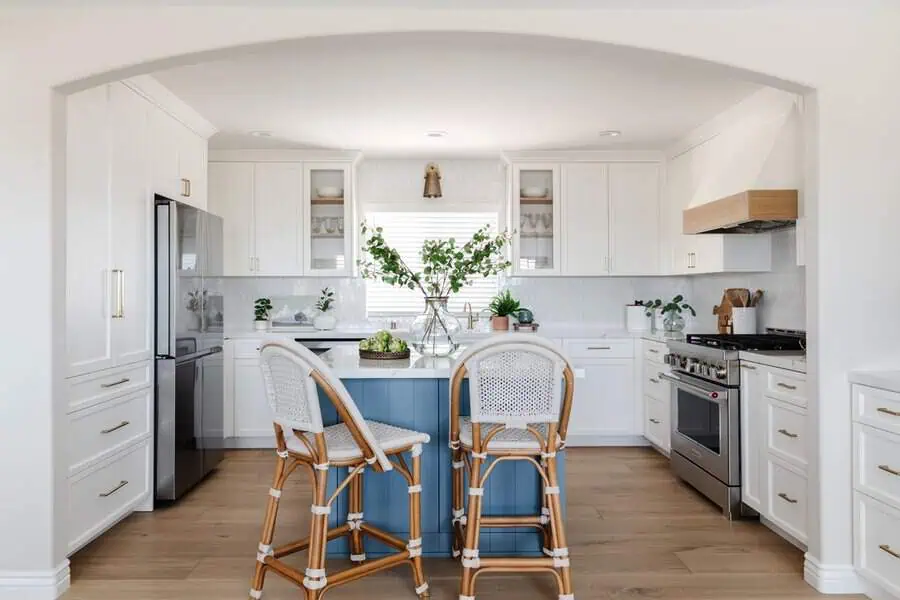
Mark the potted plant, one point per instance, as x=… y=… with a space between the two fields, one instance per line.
x=196 y=303
x=502 y=305
x=446 y=268
x=325 y=321
x=673 y=322
x=261 y=309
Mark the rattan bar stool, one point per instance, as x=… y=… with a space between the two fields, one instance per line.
x=520 y=392
x=292 y=376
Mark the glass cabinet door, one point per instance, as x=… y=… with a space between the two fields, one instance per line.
x=329 y=220
x=536 y=219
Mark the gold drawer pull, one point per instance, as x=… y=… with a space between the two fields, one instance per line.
x=653 y=351
x=116 y=428
x=888 y=411
x=887 y=469
x=751 y=367
x=655 y=421
x=787 y=433
x=654 y=380
x=786 y=386
x=115 y=383
x=889 y=550
x=122 y=484
x=787 y=498
x=599 y=348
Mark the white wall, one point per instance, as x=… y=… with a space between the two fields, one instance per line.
x=850 y=57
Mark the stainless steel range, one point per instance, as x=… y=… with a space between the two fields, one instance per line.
x=706 y=409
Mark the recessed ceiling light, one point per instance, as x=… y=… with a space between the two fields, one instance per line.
x=261 y=133
x=436 y=133
x=610 y=133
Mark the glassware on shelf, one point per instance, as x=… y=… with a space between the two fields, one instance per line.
x=435 y=331
x=316 y=225
x=330 y=226
x=340 y=225
x=547 y=222
x=533 y=220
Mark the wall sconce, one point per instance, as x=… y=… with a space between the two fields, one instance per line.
x=432 y=181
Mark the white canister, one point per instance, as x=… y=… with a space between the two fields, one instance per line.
x=636 y=318
x=743 y=319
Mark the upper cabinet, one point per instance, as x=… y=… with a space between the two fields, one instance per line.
x=285 y=218
x=536 y=216
x=587 y=218
x=179 y=161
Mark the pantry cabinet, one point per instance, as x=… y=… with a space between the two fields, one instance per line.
x=179 y=157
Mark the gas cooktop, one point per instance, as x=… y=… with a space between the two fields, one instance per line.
x=764 y=342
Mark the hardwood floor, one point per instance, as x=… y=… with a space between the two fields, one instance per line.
x=634 y=532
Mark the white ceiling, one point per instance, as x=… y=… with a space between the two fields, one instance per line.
x=381 y=93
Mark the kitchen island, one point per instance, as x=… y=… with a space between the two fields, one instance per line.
x=415 y=394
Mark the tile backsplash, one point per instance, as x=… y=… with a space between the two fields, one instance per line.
x=595 y=300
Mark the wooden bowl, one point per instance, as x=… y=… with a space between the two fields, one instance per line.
x=373 y=355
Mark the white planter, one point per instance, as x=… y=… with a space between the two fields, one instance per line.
x=636 y=318
x=260 y=325
x=658 y=320
x=324 y=322
x=743 y=319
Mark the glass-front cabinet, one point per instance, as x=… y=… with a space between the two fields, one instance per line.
x=536 y=218
x=328 y=219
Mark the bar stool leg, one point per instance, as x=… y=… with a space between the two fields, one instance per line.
x=315 y=578
x=458 y=515
x=546 y=534
x=354 y=519
x=557 y=528
x=470 y=559
x=268 y=532
x=415 y=524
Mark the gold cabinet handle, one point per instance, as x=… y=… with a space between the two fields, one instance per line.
x=119 y=312
x=655 y=421
x=653 y=351
x=654 y=380
x=116 y=428
x=889 y=550
x=787 y=433
x=599 y=348
x=748 y=367
x=887 y=469
x=186 y=188
x=888 y=411
x=786 y=386
x=122 y=484
x=787 y=498
x=115 y=383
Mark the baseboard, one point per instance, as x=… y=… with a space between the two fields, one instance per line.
x=875 y=591
x=831 y=579
x=35 y=585
x=574 y=440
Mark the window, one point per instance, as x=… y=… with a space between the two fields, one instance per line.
x=406 y=231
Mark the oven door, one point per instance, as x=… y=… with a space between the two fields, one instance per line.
x=705 y=426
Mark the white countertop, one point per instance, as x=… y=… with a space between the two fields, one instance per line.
x=885 y=380
x=346 y=364
x=780 y=360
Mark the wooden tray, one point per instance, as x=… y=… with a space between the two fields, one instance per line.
x=372 y=355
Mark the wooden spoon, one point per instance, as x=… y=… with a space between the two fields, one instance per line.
x=757 y=296
x=745 y=297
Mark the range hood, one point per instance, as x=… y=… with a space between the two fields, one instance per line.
x=751 y=211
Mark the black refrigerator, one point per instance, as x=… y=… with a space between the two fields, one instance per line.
x=189 y=342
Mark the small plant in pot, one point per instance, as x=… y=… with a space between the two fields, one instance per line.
x=673 y=322
x=502 y=306
x=325 y=304
x=261 y=309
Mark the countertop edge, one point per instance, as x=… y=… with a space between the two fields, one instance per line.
x=883 y=380
x=790 y=362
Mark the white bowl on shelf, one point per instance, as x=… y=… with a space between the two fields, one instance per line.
x=533 y=192
x=330 y=192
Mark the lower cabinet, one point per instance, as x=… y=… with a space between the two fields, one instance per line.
x=251 y=414
x=774 y=451
x=656 y=394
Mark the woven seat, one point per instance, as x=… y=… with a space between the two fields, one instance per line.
x=507 y=439
x=342 y=447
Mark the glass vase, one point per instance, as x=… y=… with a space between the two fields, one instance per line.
x=673 y=324
x=435 y=331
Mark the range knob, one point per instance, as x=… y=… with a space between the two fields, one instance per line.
x=720 y=373
x=683 y=362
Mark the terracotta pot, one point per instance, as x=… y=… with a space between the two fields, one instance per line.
x=500 y=323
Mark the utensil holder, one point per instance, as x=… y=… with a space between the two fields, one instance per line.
x=636 y=318
x=743 y=320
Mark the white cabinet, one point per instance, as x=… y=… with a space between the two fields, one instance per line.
x=247 y=413
x=277 y=218
x=536 y=216
x=585 y=236
x=774 y=450
x=633 y=219
x=328 y=220
x=656 y=393
x=230 y=187
x=179 y=158
x=108 y=241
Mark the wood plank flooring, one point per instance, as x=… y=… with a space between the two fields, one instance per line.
x=634 y=532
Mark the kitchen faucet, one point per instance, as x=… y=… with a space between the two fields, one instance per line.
x=467 y=308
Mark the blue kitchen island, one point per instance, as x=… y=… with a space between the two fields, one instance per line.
x=415 y=394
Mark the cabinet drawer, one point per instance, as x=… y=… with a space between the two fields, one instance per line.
x=786 y=425
x=786 y=385
x=653 y=384
x=787 y=499
x=104 y=429
x=246 y=348
x=600 y=348
x=878 y=408
x=656 y=428
x=100 y=497
x=655 y=351
x=88 y=390
x=876 y=468
x=877 y=542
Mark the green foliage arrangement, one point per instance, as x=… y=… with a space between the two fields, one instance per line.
x=261 y=309
x=504 y=305
x=383 y=341
x=447 y=267
x=326 y=300
x=675 y=305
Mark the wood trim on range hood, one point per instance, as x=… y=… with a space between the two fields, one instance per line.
x=752 y=211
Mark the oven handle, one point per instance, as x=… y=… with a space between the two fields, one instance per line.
x=712 y=393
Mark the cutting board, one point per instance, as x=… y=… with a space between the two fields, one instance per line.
x=723 y=310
